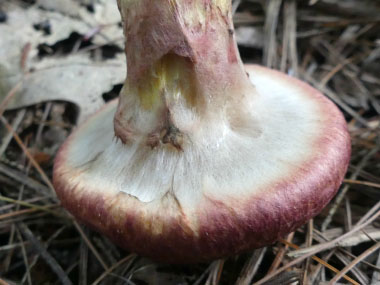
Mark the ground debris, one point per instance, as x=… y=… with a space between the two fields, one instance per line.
x=67 y=59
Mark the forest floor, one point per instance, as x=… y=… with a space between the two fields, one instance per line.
x=62 y=60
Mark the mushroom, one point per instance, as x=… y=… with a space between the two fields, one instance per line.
x=202 y=157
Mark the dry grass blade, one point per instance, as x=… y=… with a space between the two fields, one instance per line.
x=343 y=255
x=289 y=45
x=338 y=101
x=23 y=212
x=24 y=179
x=24 y=254
x=322 y=262
x=313 y=250
x=359 y=238
x=359 y=226
x=348 y=218
x=309 y=242
x=8 y=137
x=91 y=246
x=354 y=262
x=3 y=282
x=215 y=273
x=365 y=183
x=9 y=96
x=271 y=21
x=112 y=268
x=35 y=207
x=280 y=255
x=376 y=274
x=376 y=268
x=335 y=70
x=290 y=277
x=331 y=44
x=83 y=262
x=235 y=5
x=203 y=275
x=251 y=267
x=30 y=157
x=316 y=272
x=342 y=194
x=371 y=212
x=57 y=269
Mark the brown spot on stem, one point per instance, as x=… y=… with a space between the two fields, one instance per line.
x=168 y=134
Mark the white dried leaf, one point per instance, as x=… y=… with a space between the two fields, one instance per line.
x=76 y=78
x=67 y=7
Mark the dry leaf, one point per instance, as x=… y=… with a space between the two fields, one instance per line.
x=77 y=78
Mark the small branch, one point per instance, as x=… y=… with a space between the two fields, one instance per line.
x=251 y=267
x=324 y=263
x=91 y=246
x=366 y=253
x=113 y=267
x=30 y=157
x=319 y=248
x=342 y=194
x=57 y=269
x=280 y=255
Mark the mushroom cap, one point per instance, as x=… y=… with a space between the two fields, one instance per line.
x=231 y=189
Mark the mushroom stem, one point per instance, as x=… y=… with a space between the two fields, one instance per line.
x=183 y=66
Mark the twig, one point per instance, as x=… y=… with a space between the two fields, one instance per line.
x=57 y=269
x=280 y=255
x=90 y=245
x=317 y=249
x=349 y=215
x=27 y=268
x=320 y=266
x=203 y=275
x=43 y=121
x=251 y=267
x=365 y=183
x=30 y=157
x=341 y=255
x=46 y=244
x=337 y=100
x=324 y=263
x=113 y=267
x=22 y=212
x=373 y=210
x=8 y=137
x=335 y=70
x=271 y=21
x=215 y=273
x=20 y=177
x=9 y=96
x=3 y=282
x=360 y=225
x=83 y=263
x=309 y=242
x=36 y=207
x=11 y=206
x=289 y=44
x=369 y=251
x=374 y=267
x=376 y=274
x=342 y=194
x=235 y=6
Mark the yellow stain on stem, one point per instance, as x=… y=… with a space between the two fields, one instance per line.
x=170 y=78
